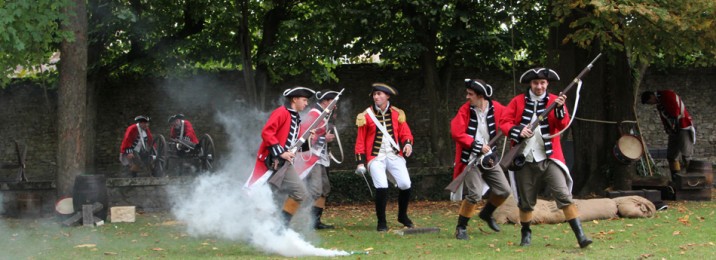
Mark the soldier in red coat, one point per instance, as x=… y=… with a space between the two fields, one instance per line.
x=317 y=181
x=677 y=124
x=182 y=133
x=383 y=139
x=181 y=129
x=472 y=128
x=281 y=132
x=544 y=162
x=136 y=145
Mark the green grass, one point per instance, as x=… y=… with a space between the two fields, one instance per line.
x=687 y=230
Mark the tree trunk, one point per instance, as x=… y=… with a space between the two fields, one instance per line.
x=588 y=138
x=426 y=34
x=244 y=39
x=620 y=107
x=72 y=100
x=271 y=23
x=606 y=96
x=438 y=120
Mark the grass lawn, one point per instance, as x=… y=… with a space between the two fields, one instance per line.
x=687 y=230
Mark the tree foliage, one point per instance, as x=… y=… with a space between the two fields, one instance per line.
x=29 y=33
x=665 y=33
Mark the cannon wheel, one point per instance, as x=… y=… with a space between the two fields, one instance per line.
x=160 y=158
x=207 y=155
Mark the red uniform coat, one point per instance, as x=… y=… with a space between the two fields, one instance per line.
x=306 y=160
x=367 y=130
x=274 y=136
x=672 y=111
x=321 y=129
x=464 y=141
x=131 y=139
x=188 y=132
x=512 y=116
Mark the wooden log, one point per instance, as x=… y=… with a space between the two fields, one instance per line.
x=413 y=231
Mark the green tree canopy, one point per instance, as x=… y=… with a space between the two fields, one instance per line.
x=29 y=33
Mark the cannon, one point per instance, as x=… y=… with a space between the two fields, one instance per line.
x=201 y=157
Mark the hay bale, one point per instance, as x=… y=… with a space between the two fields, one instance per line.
x=635 y=207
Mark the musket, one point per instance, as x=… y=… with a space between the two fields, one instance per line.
x=186 y=144
x=278 y=176
x=514 y=160
x=473 y=162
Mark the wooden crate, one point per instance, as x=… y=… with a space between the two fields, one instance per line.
x=122 y=214
x=691 y=181
x=699 y=195
x=651 y=195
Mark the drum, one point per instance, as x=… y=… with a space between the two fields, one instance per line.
x=628 y=149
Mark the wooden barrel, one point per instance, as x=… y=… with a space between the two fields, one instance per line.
x=89 y=189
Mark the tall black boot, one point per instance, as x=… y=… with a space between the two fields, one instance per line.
x=526 y=234
x=320 y=225
x=403 y=201
x=381 y=199
x=286 y=218
x=461 y=229
x=579 y=233
x=486 y=215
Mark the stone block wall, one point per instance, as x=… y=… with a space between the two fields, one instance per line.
x=29 y=111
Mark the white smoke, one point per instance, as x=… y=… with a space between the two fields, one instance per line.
x=216 y=205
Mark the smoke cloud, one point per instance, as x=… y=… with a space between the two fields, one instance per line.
x=216 y=205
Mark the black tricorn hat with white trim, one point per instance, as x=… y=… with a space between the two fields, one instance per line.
x=539 y=73
x=298 y=91
x=479 y=86
x=141 y=118
x=326 y=94
x=177 y=116
x=378 y=86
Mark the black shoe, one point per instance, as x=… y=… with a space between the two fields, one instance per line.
x=579 y=233
x=486 y=215
x=286 y=218
x=405 y=220
x=526 y=234
x=381 y=198
x=320 y=225
x=403 y=202
x=461 y=233
x=382 y=227
x=318 y=212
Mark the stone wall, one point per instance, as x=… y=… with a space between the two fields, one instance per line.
x=29 y=111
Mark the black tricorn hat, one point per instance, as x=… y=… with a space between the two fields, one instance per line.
x=141 y=118
x=385 y=88
x=539 y=73
x=177 y=116
x=298 y=91
x=479 y=86
x=326 y=94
